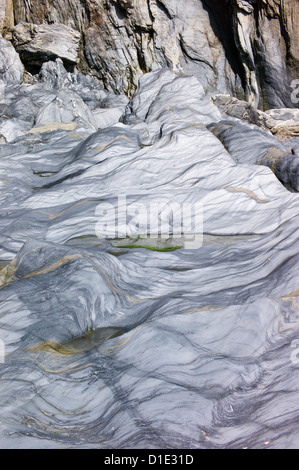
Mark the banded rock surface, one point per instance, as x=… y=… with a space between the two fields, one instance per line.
x=111 y=346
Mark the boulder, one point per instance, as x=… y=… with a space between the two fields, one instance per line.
x=6 y=15
x=283 y=122
x=66 y=107
x=245 y=48
x=37 y=44
x=11 y=67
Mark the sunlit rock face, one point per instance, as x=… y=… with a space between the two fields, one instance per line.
x=11 y=67
x=37 y=44
x=248 y=49
x=109 y=346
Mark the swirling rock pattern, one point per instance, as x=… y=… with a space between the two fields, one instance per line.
x=11 y=67
x=112 y=347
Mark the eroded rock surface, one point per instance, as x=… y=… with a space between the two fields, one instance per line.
x=106 y=345
x=149 y=247
x=248 y=49
x=282 y=122
x=11 y=67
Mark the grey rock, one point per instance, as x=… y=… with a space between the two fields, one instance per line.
x=125 y=39
x=249 y=144
x=240 y=109
x=244 y=5
x=22 y=108
x=56 y=99
x=40 y=43
x=11 y=67
x=123 y=347
x=6 y=16
x=263 y=31
x=86 y=86
x=66 y=107
x=108 y=116
x=71 y=13
x=283 y=122
x=11 y=129
x=248 y=49
x=54 y=73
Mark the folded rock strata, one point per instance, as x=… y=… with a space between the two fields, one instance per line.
x=105 y=345
x=42 y=43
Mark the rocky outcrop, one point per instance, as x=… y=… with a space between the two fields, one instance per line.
x=42 y=43
x=111 y=346
x=245 y=48
x=11 y=67
x=57 y=100
x=250 y=145
x=283 y=122
x=127 y=39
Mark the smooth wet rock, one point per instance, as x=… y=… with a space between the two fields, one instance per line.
x=124 y=347
x=249 y=144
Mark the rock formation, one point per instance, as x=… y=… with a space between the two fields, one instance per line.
x=149 y=224
x=245 y=48
x=112 y=346
x=11 y=67
x=37 y=44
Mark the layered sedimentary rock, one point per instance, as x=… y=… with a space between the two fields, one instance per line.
x=109 y=346
x=245 y=48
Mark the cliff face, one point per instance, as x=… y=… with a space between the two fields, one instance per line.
x=245 y=48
